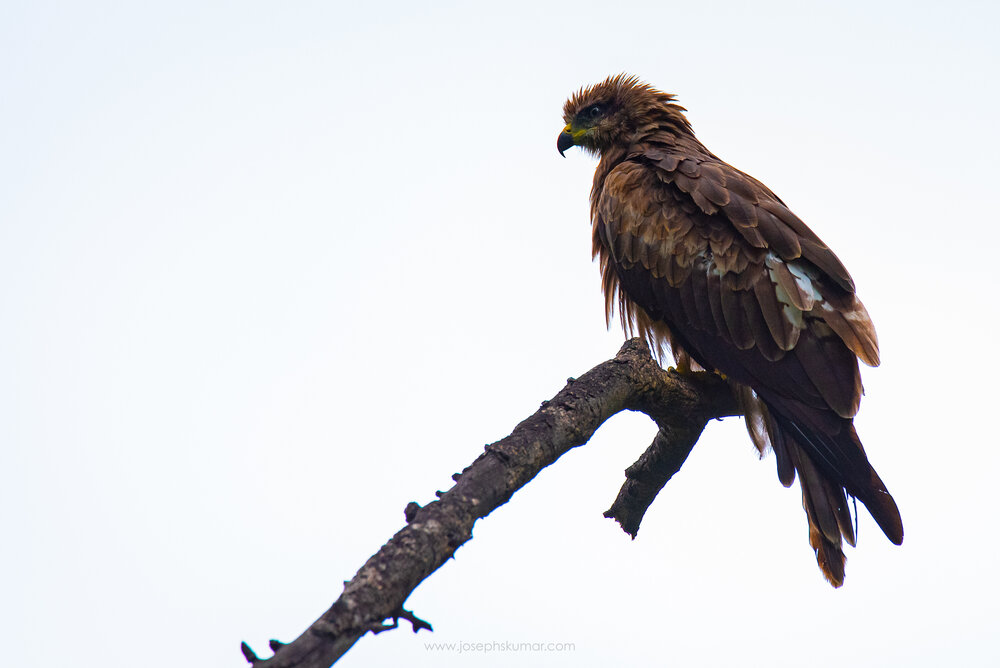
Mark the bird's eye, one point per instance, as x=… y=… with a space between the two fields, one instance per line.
x=594 y=111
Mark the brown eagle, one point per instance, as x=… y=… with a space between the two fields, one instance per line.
x=708 y=262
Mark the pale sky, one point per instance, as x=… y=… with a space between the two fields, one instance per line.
x=269 y=271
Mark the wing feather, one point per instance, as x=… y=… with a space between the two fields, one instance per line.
x=797 y=294
x=766 y=345
x=698 y=281
x=737 y=324
x=813 y=248
x=714 y=287
x=833 y=370
x=783 y=331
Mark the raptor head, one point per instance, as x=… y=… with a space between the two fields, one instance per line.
x=610 y=114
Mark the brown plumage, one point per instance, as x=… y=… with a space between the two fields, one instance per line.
x=706 y=261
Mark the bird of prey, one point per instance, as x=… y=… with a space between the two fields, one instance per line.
x=704 y=260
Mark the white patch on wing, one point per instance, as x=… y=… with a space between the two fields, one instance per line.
x=804 y=281
x=791 y=312
x=793 y=315
x=780 y=291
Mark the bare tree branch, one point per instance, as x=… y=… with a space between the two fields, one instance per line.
x=657 y=465
x=680 y=404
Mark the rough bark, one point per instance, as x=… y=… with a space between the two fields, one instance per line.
x=680 y=404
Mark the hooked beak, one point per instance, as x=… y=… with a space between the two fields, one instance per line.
x=565 y=141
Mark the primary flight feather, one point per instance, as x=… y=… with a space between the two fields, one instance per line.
x=706 y=261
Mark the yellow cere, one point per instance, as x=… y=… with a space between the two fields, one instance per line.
x=576 y=134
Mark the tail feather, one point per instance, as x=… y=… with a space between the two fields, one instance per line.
x=838 y=499
x=829 y=556
x=883 y=508
x=816 y=497
x=826 y=454
x=786 y=468
x=826 y=506
x=840 y=458
x=879 y=502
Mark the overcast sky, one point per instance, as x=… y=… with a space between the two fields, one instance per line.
x=269 y=271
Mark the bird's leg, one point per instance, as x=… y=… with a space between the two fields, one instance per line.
x=682 y=364
x=685 y=366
